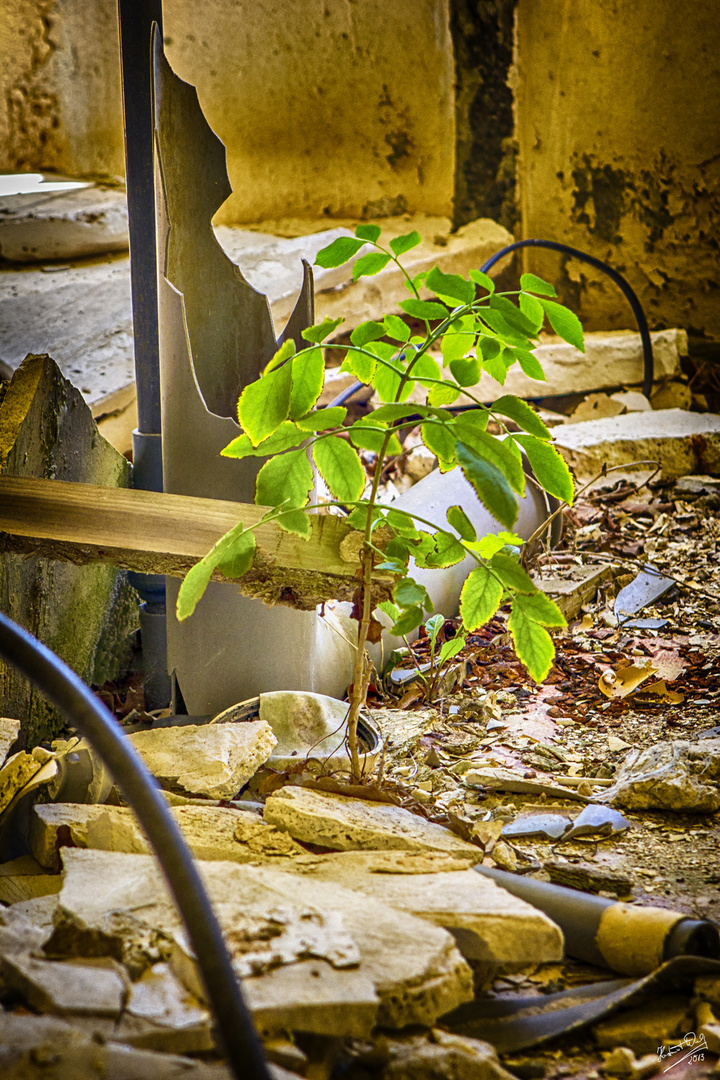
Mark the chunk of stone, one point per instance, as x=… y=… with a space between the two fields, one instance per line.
x=347 y=824
x=9 y=731
x=62 y=222
x=313 y=955
x=40 y=910
x=212 y=832
x=161 y=1014
x=496 y=930
x=14 y=775
x=644 y=1028
x=64 y=988
x=708 y=1026
x=19 y=934
x=679 y=776
x=622 y=1062
x=23 y=879
x=683 y=442
x=440 y=1055
x=209 y=759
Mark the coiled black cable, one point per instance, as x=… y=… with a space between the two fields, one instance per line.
x=85 y=712
x=565 y=249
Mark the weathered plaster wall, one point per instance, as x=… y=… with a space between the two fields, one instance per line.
x=60 y=86
x=329 y=107
x=619 y=135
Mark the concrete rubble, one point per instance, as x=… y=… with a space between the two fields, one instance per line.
x=683 y=442
x=214 y=760
x=681 y=776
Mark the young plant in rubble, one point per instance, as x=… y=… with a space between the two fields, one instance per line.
x=468 y=328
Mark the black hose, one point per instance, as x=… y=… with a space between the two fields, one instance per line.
x=554 y=245
x=85 y=712
x=619 y=280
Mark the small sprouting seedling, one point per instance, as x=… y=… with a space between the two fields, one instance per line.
x=468 y=329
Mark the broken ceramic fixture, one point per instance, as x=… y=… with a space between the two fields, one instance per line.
x=646 y=588
x=628 y=939
x=233 y=647
x=308 y=726
x=594 y=820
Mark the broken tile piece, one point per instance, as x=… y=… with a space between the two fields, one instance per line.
x=490 y=926
x=212 y=832
x=346 y=824
x=209 y=759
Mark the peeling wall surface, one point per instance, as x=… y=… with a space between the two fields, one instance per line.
x=60 y=103
x=618 y=124
x=342 y=108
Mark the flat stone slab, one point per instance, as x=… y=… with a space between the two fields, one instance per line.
x=680 y=776
x=65 y=989
x=683 y=442
x=63 y=219
x=488 y=924
x=208 y=759
x=313 y=955
x=212 y=832
x=346 y=824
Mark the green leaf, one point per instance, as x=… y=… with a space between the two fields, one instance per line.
x=424 y=309
x=459 y=339
x=322 y=330
x=286 y=350
x=565 y=323
x=433 y=626
x=480 y=598
x=444 y=394
x=396 y=328
x=238 y=559
x=235 y=542
x=390 y=414
x=370 y=264
x=296 y=521
x=529 y=363
x=285 y=437
x=389 y=609
x=481 y=279
x=461 y=523
x=466 y=372
x=369 y=436
x=532 y=309
x=360 y=365
x=549 y=467
x=265 y=403
x=523 y=414
x=533 y=284
x=490 y=485
x=496 y=321
x=340 y=468
x=541 y=609
x=474 y=419
x=513 y=316
x=489 y=545
x=339 y=252
x=371 y=233
x=323 y=419
x=387 y=381
x=402 y=523
x=409 y=619
x=308 y=371
x=367 y=331
x=451 y=648
x=424 y=368
x=358 y=517
x=494 y=450
x=400 y=244
x=439 y=440
x=490 y=347
x=450 y=286
x=533 y=644
x=512 y=574
x=287 y=478
x=407 y=592
x=447 y=550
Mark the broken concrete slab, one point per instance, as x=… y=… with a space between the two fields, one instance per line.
x=313 y=955
x=62 y=219
x=610 y=359
x=210 y=759
x=680 y=775
x=494 y=929
x=576 y=587
x=24 y=879
x=19 y=935
x=64 y=989
x=47 y=430
x=40 y=910
x=9 y=731
x=683 y=442
x=161 y=1014
x=347 y=824
x=211 y=832
x=442 y=1054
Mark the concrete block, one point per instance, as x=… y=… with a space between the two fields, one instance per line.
x=346 y=824
x=683 y=442
x=62 y=219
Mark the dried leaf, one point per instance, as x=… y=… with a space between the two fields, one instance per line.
x=658 y=691
x=621 y=683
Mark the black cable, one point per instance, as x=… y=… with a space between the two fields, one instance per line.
x=85 y=712
x=554 y=245
x=619 y=280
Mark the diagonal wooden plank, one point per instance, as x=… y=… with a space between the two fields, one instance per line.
x=157 y=533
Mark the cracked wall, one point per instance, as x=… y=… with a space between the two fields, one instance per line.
x=618 y=129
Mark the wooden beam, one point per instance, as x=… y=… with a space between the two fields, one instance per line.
x=157 y=533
